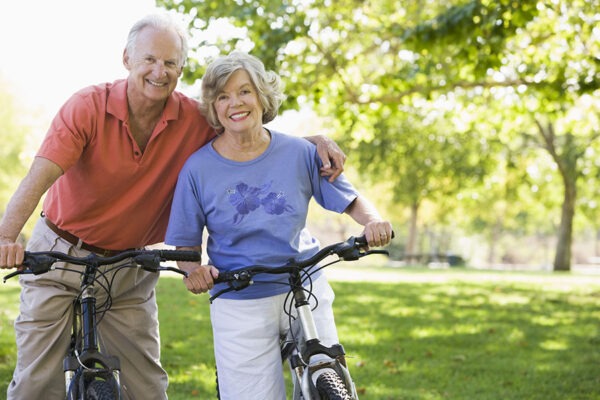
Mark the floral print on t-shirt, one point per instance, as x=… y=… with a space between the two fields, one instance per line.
x=247 y=198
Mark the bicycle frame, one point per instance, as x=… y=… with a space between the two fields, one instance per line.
x=317 y=370
x=308 y=356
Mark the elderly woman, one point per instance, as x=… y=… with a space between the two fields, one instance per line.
x=250 y=188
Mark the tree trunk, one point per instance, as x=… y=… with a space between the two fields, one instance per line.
x=562 y=259
x=494 y=239
x=411 y=242
x=565 y=153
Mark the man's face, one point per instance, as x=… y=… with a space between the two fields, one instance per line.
x=154 y=64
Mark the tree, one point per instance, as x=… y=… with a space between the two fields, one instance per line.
x=365 y=63
x=339 y=60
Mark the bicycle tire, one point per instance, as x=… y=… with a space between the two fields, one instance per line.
x=331 y=387
x=100 y=390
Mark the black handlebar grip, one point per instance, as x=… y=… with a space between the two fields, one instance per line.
x=180 y=255
x=362 y=240
x=223 y=277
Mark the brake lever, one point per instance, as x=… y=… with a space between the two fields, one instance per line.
x=354 y=253
x=366 y=253
x=148 y=262
x=173 y=269
x=350 y=250
x=41 y=265
x=34 y=264
x=235 y=285
x=15 y=273
x=226 y=290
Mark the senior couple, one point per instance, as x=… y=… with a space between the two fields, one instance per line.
x=133 y=163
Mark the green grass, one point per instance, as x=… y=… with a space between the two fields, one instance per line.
x=414 y=334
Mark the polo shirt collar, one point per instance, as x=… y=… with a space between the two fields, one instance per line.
x=116 y=103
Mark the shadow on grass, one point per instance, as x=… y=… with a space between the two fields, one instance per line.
x=186 y=335
x=470 y=341
x=426 y=341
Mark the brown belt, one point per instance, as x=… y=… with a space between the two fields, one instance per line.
x=75 y=241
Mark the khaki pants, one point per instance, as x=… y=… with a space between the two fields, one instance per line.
x=128 y=330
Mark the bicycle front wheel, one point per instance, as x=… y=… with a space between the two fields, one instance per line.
x=331 y=387
x=100 y=390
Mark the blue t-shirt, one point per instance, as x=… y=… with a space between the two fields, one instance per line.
x=254 y=211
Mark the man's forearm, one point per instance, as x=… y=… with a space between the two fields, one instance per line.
x=21 y=206
x=19 y=209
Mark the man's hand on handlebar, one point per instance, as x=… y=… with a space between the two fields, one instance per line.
x=200 y=278
x=11 y=253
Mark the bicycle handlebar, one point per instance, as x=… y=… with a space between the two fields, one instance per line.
x=41 y=262
x=349 y=250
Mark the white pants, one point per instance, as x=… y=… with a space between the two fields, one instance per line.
x=246 y=340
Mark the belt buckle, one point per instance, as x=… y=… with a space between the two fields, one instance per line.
x=106 y=253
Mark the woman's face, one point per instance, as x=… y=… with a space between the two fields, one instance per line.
x=237 y=106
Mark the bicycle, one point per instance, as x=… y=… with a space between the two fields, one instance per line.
x=91 y=373
x=318 y=371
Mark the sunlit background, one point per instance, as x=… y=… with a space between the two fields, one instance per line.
x=49 y=49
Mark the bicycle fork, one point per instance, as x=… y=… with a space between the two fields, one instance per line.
x=84 y=362
x=311 y=358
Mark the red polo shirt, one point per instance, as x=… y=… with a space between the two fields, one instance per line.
x=112 y=195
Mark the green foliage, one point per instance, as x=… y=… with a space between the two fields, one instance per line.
x=13 y=136
x=474 y=31
x=422 y=160
x=493 y=71
x=269 y=24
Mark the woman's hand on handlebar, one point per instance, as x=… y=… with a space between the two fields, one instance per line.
x=378 y=233
x=11 y=253
x=200 y=278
